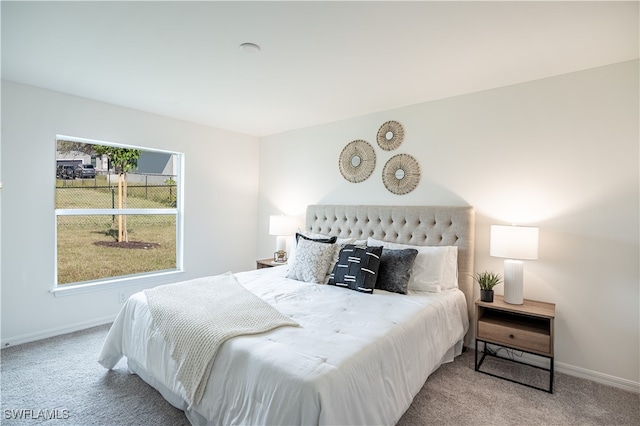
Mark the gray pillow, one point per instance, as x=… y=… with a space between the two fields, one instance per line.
x=395 y=269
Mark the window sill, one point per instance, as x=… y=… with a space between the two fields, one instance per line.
x=158 y=278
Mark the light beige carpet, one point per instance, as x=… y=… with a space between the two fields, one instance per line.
x=458 y=395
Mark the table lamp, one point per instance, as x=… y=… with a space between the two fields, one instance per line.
x=515 y=244
x=282 y=227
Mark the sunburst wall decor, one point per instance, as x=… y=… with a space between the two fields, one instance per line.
x=401 y=174
x=390 y=135
x=357 y=161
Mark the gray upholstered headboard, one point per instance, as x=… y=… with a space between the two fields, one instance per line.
x=417 y=225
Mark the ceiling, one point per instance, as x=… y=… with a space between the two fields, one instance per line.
x=319 y=61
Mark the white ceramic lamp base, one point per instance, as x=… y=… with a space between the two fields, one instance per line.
x=513 y=272
x=281 y=243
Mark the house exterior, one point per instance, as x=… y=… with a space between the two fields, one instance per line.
x=154 y=168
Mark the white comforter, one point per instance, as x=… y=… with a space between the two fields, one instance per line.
x=355 y=359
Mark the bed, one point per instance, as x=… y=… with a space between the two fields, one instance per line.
x=354 y=358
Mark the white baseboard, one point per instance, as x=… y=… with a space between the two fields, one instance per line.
x=52 y=332
x=605 y=379
x=572 y=370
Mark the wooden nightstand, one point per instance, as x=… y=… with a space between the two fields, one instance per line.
x=527 y=328
x=268 y=263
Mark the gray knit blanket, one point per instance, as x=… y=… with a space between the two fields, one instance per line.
x=196 y=317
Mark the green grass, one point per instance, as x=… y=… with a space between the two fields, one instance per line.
x=79 y=259
x=99 y=180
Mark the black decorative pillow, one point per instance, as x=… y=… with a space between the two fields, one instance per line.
x=328 y=240
x=357 y=268
x=395 y=269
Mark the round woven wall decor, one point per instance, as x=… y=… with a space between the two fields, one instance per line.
x=401 y=174
x=390 y=135
x=357 y=161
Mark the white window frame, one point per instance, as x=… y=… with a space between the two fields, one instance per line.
x=141 y=278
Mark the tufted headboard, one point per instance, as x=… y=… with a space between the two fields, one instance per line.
x=416 y=225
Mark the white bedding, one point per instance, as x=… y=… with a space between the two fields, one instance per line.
x=196 y=317
x=355 y=359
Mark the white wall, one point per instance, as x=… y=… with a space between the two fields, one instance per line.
x=221 y=191
x=559 y=153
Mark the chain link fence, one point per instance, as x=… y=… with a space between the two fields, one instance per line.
x=101 y=192
x=143 y=192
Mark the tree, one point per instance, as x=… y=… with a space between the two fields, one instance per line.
x=66 y=147
x=122 y=160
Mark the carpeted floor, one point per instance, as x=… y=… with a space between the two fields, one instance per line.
x=458 y=395
x=60 y=377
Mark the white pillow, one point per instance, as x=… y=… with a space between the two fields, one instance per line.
x=435 y=267
x=450 y=270
x=311 y=261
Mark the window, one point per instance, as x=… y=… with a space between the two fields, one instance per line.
x=117 y=212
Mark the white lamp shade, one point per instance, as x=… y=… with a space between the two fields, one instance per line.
x=514 y=242
x=282 y=225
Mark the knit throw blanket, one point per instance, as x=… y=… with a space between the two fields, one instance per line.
x=195 y=317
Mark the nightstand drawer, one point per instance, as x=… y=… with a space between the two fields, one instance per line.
x=513 y=336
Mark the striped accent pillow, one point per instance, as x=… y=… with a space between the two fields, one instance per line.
x=357 y=268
